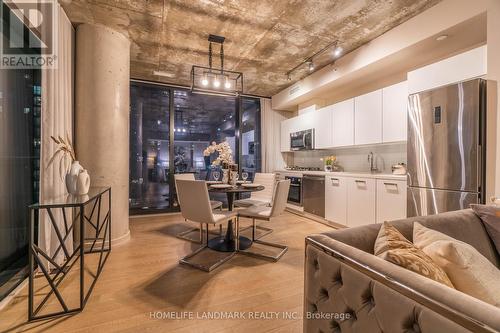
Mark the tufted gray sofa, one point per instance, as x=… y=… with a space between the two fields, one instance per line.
x=348 y=289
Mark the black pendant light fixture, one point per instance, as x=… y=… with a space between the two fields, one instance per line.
x=216 y=80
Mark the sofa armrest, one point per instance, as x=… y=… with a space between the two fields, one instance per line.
x=378 y=296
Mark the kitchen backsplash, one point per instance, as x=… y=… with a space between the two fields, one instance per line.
x=355 y=158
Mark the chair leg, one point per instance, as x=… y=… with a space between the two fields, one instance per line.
x=237 y=236
x=183 y=235
x=275 y=258
x=206 y=268
x=266 y=231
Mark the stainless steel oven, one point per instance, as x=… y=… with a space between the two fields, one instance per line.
x=295 y=192
x=303 y=140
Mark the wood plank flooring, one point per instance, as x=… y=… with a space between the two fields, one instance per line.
x=142 y=282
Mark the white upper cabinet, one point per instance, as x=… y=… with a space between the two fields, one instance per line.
x=285 y=135
x=368 y=118
x=343 y=123
x=394 y=106
x=322 y=124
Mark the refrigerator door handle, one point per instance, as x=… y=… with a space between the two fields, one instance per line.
x=480 y=172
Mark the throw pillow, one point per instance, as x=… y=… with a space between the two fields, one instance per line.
x=392 y=246
x=468 y=270
x=490 y=215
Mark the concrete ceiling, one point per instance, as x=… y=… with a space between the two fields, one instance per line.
x=264 y=39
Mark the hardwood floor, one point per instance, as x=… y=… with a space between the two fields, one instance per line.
x=142 y=283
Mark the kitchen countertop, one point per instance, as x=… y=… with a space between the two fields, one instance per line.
x=367 y=174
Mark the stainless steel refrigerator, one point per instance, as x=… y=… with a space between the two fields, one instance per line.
x=446 y=148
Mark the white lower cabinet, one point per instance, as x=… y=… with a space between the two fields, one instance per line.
x=361 y=201
x=336 y=199
x=354 y=201
x=391 y=200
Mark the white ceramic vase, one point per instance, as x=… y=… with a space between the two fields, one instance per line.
x=77 y=179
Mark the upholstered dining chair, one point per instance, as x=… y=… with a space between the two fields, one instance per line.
x=265 y=213
x=260 y=198
x=214 y=204
x=196 y=207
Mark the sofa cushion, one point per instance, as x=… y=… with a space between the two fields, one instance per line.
x=392 y=246
x=463 y=225
x=469 y=271
x=490 y=215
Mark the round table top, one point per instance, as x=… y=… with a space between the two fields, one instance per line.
x=235 y=189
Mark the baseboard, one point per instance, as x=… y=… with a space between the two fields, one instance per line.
x=7 y=299
x=316 y=218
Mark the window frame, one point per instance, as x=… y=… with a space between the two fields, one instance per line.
x=171 y=108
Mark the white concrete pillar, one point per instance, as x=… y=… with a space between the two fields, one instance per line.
x=102 y=90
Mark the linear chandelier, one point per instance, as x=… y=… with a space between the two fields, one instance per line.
x=212 y=80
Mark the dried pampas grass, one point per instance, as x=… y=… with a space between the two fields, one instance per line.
x=65 y=154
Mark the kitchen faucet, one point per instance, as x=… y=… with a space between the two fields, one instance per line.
x=373 y=167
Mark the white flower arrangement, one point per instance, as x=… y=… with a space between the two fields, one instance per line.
x=224 y=150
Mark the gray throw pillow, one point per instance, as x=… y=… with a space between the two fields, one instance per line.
x=490 y=215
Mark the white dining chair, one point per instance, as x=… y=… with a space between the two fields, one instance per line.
x=264 y=213
x=196 y=207
x=260 y=198
x=214 y=204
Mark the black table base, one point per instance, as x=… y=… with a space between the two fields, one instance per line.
x=227 y=243
x=221 y=244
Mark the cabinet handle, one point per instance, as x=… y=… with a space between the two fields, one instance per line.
x=335 y=181
x=360 y=181
x=391 y=184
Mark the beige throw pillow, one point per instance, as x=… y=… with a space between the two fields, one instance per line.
x=468 y=270
x=392 y=246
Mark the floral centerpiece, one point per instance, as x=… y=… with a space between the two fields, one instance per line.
x=330 y=162
x=224 y=158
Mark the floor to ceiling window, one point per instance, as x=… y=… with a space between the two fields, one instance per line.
x=160 y=114
x=149 y=147
x=20 y=110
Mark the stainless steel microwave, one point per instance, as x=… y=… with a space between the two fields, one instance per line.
x=303 y=140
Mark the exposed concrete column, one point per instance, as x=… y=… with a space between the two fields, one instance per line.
x=493 y=139
x=102 y=90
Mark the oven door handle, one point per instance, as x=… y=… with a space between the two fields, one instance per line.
x=295 y=185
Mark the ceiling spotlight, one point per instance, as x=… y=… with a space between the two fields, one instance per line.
x=204 y=80
x=184 y=130
x=216 y=82
x=227 y=83
x=442 y=37
x=310 y=65
x=338 y=51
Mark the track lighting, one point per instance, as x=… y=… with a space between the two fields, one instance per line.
x=338 y=51
x=310 y=65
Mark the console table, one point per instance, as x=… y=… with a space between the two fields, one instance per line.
x=82 y=228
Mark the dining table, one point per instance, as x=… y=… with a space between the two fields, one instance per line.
x=226 y=243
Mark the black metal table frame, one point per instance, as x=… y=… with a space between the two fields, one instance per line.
x=227 y=243
x=35 y=253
